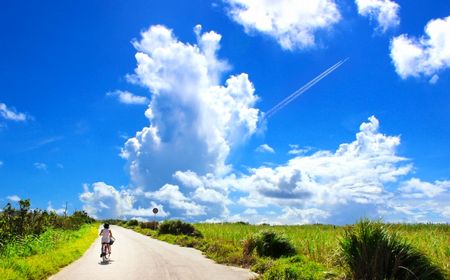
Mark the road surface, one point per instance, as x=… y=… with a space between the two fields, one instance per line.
x=135 y=256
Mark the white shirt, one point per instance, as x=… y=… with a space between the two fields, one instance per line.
x=105 y=235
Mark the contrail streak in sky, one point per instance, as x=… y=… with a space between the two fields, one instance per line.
x=301 y=90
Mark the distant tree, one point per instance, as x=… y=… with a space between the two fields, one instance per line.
x=22 y=222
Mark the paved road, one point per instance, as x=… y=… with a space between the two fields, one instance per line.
x=135 y=256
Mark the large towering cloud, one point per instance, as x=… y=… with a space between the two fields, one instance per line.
x=424 y=56
x=293 y=23
x=194 y=120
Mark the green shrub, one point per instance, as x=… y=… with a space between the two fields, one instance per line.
x=370 y=252
x=218 y=248
x=177 y=227
x=294 y=268
x=262 y=265
x=268 y=244
x=132 y=223
x=248 y=245
x=23 y=223
x=150 y=225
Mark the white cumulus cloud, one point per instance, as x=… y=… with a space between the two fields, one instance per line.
x=148 y=212
x=172 y=196
x=194 y=120
x=416 y=188
x=105 y=201
x=293 y=23
x=355 y=172
x=179 y=161
x=419 y=201
x=303 y=216
x=365 y=177
x=11 y=114
x=127 y=97
x=385 y=12
x=424 y=56
x=326 y=186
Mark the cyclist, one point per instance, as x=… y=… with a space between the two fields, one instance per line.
x=106 y=234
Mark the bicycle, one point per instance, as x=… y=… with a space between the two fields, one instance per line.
x=104 y=254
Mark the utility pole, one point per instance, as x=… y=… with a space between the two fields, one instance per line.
x=65 y=211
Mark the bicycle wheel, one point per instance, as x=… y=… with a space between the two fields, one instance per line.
x=104 y=255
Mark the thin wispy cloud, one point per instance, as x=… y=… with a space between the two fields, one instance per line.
x=434 y=79
x=40 y=166
x=13 y=198
x=44 y=142
x=81 y=127
x=129 y=98
x=10 y=114
x=297 y=150
x=264 y=148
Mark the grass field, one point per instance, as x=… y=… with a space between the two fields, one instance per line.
x=320 y=242
x=316 y=244
x=39 y=257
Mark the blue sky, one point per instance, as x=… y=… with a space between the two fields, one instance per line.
x=119 y=107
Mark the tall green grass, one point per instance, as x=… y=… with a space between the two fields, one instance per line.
x=432 y=239
x=38 y=257
x=320 y=243
x=369 y=251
